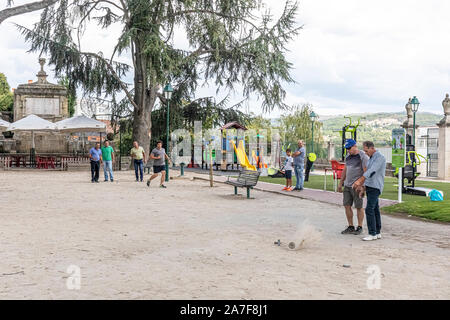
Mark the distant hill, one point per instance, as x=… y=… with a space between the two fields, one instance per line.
x=374 y=126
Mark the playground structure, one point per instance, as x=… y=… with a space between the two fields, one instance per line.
x=242 y=156
x=352 y=130
x=231 y=151
x=409 y=172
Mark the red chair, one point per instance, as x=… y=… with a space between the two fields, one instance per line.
x=337 y=168
x=41 y=162
x=51 y=162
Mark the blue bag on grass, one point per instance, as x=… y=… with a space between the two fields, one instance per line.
x=436 y=195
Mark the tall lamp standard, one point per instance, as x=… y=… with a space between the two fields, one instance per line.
x=415 y=106
x=168 y=95
x=313 y=118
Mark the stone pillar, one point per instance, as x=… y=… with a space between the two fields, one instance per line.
x=408 y=124
x=331 y=150
x=444 y=142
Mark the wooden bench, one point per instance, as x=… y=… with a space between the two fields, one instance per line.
x=246 y=179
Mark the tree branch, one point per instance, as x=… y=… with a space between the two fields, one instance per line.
x=26 y=8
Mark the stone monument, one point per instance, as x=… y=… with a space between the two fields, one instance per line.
x=42 y=98
x=48 y=101
x=444 y=142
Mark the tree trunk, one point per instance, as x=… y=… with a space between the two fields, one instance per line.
x=144 y=97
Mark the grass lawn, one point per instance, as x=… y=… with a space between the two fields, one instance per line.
x=413 y=205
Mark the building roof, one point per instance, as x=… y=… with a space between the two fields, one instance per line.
x=233 y=125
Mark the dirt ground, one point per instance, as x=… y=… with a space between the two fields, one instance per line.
x=190 y=241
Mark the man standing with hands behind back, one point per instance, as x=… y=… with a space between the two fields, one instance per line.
x=138 y=155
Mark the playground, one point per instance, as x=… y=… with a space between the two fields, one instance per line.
x=134 y=242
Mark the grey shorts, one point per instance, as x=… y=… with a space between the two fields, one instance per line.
x=351 y=196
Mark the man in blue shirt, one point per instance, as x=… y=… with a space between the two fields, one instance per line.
x=299 y=163
x=96 y=158
x=373 y=179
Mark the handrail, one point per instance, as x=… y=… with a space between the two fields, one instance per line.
x=418 y=156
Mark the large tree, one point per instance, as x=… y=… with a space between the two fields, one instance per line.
x=6 y=96
x=229 y=47
x=297 y=125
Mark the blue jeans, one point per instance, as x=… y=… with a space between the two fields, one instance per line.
x=139 y=164
x=107 y=167
x=299 y=176
x=373 y=216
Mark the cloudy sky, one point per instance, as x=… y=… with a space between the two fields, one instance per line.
x=351 y=56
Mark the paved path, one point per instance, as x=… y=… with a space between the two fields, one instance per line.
x=309 y=194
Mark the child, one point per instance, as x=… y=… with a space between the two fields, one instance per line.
x=288 y=170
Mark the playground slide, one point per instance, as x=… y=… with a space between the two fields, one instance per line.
x=242 y=156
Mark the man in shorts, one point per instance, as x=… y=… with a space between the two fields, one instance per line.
x=158 y=155
x=355 y=166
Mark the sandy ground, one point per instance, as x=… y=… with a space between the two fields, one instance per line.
x=193 y=242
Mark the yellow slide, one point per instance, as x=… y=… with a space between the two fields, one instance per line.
x=242 y=156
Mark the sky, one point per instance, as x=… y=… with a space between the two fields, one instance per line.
x=351 y=55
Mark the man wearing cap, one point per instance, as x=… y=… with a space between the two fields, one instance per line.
x=373 y=180
x=355 y=166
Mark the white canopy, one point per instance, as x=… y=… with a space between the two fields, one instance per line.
x=4 y=125
x=32 y=123
x=80 y=124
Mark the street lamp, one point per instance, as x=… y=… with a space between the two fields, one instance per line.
x=168 y=95
x=415 y=106
x=313 y=118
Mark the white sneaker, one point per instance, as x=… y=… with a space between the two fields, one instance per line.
x=370 y=238
x=379 y=236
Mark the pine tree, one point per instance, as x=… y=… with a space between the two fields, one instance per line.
x=230 y=47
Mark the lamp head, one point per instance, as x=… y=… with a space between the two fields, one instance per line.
x=313 y=116
x=415 y=104
x=168 y=91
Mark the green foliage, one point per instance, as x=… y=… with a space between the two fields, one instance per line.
x=6 y=96
x=423 y=208
x=184 y=115
x=6 y=102
x=4 y=86
x=298 y=125
x=71 y=94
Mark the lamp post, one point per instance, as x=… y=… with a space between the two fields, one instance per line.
x=415 y=106
x=167 y=94
x=313 y=118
